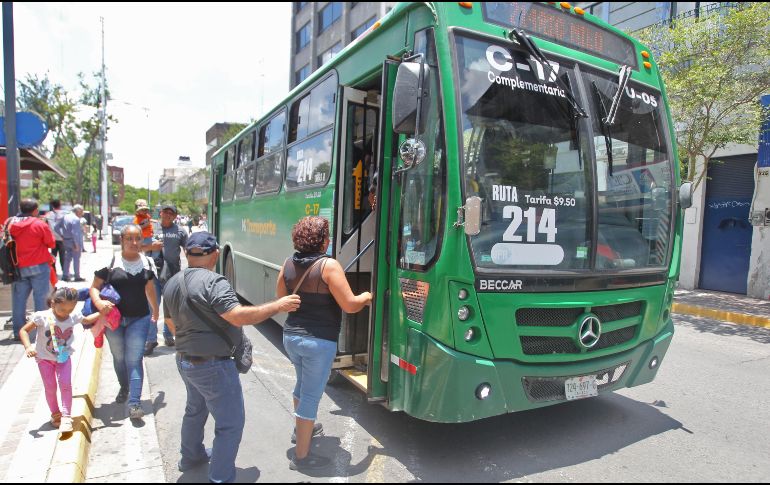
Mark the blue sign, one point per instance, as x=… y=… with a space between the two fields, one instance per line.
x=31 y=130
x=763 y=157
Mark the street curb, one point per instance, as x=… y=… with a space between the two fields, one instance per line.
x=732 y=317
x=70 y=457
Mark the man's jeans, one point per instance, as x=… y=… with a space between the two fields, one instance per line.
x=34 y=279
x=127 y=347
x=212 y=387
x=71 y=255
x=152 y=334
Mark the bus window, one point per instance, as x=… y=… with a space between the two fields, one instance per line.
x=270 y=163
x=228 y=175
x=313 y=112
x=309 y=162
x=244 y=184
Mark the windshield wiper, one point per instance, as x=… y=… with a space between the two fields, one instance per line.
x=605 y=126
x=623 y=76
x=535 y=51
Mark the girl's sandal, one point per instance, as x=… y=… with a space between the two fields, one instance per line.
x=56 y=419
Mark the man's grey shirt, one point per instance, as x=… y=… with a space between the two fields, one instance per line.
x=70 y=229
x=212 y=296
x=174 y=239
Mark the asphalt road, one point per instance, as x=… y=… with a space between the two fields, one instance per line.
x=705 y=418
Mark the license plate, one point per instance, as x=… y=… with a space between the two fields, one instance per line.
x=580 y=387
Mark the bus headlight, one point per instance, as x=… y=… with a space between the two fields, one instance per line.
x=463 y=313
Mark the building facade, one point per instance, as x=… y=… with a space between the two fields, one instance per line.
x=321 y=29
x=118 y=188
x=214 y=139
x=172 y=179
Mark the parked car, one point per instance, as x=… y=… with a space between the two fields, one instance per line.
x=121 y=221
x=117 y=225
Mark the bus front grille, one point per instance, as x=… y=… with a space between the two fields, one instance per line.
x=543 y=389
x=568 y=317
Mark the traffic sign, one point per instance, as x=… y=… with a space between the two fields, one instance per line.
x=31 y=129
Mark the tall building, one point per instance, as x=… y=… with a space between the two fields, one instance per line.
x=322 y=29
x=214 y=139
x=116 y=178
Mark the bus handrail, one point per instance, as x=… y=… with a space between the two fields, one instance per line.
x=358 y=256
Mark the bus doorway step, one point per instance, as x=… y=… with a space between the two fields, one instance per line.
x=355 y=377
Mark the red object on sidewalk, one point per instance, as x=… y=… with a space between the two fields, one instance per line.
x=111 y=321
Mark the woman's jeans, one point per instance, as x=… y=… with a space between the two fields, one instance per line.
x=312 y=358
x=34 y=279
x=152 y=334
x=212 y=387
x=127 y=347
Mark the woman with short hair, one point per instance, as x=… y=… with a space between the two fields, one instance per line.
x=310 y=334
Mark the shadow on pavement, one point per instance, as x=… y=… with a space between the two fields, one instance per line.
x=716 y=327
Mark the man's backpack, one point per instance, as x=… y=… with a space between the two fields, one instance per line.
x=9 y=263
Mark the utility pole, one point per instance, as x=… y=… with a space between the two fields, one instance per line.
x=11 y=148
x=103 y=174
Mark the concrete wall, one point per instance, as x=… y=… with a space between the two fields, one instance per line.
x=759 y=269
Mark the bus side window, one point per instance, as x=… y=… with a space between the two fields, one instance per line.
x=269 y=165
x=300 y=114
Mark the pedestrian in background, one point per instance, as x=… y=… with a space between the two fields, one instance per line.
x=132 y=276
x=33 y=241
x=53 y=216
x=310 y=334
x=53 y=349
x=168 y=263
x=203 y=357
x=72 y=235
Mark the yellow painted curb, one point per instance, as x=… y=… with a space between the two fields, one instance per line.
x=70 y=457
x=732 y=317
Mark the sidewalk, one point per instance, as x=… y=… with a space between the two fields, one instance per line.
x=728 y=307
x=31 y=449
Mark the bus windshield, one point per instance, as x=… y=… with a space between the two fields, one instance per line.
x=531 y=161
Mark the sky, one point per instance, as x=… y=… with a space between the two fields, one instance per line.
x=173 y=70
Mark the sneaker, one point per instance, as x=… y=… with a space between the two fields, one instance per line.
x=149 y=347
x=56 y=420
x=318 y=430
x=170 y=342
x=78 y=280
x=184 y=465
x=122 y=395
x=135 y=412
x=66 y=425
x=310 y=462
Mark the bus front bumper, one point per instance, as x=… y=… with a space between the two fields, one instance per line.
x=448 y=386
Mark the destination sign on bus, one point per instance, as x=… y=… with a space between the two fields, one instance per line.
x=563 y=28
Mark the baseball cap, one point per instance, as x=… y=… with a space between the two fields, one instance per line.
x=201 y=243
x=141 y=204
x=168 y=205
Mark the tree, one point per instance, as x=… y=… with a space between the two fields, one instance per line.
x=75 y=137
x=132 y=193
x=715 y=69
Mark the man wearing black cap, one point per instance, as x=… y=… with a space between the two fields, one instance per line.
x=168 y=262
x=203 y=357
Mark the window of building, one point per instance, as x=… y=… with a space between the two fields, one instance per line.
x=298 y=6
x=600 y=10
x=329 y=53
x=302 y=74
x=362 y=28
x=302 y=37
x=328 y=15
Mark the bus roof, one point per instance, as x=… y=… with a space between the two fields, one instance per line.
x=393 y=16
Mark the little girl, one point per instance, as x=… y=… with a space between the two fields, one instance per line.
x=53 y=349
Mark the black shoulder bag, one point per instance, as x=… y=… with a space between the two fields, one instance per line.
x=241 y=353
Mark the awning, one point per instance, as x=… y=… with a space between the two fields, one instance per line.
x=33 y=159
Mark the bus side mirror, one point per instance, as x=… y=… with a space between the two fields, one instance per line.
x=472 y=215
x=685 y=195
x=406 y=98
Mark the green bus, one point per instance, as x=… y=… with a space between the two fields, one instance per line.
x=523 y=231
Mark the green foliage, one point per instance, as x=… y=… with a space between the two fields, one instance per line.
x=132 y=193
x=233 y=130
x=715 y=69
x=73 y=136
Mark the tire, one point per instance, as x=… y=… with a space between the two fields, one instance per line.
x=230 y=269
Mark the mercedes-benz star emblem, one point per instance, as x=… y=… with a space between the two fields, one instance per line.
x=590 y=331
